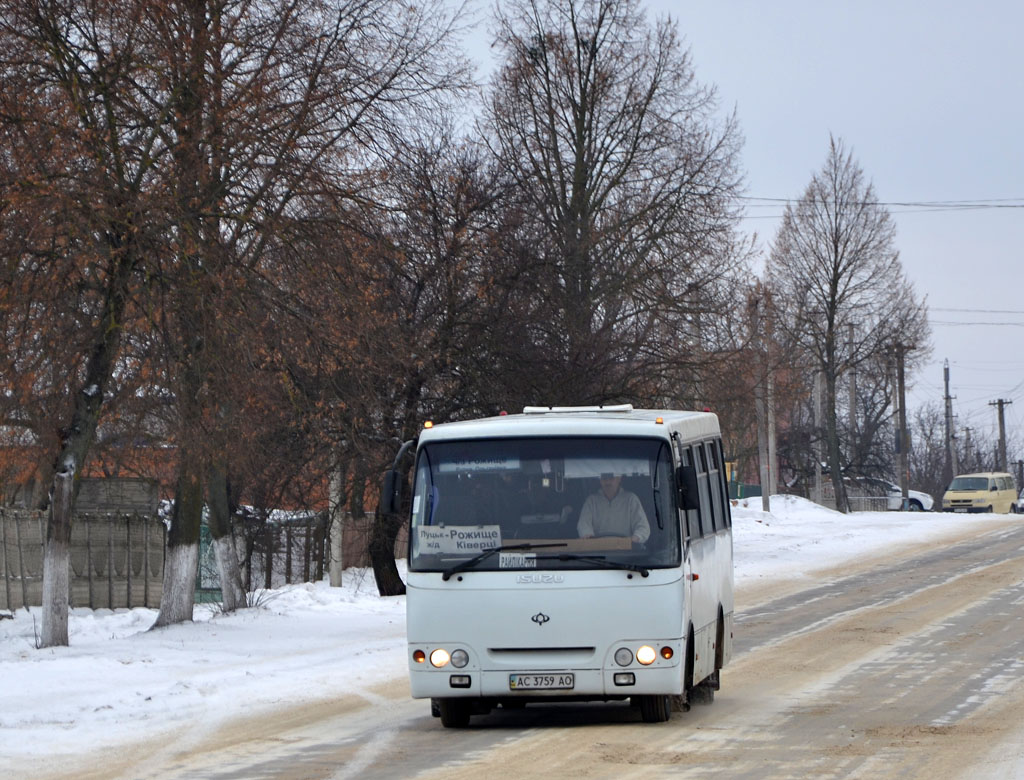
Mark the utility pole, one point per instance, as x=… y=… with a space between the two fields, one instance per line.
x=853 y=392
x=773 y=460
x=764 y=468
x=817 y=498
x=769 y=339
x=1001 y=453
x=967 y=446
x=902 y=440
x=951 y=467
x=762 y=400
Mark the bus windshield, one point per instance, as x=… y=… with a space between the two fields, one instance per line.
x=551 y=503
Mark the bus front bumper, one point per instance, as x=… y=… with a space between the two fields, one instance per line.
x=586 y=683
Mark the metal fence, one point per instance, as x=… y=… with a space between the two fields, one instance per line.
x=858 y=497
x=275 y=554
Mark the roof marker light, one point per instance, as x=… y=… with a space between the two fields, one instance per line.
x=659 y=421
x=428 y=424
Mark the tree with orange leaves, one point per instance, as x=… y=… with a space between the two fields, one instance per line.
x=80 y=185
x=196 y=137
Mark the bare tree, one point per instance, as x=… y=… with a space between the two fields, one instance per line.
x=929 y=452
x=189 y=140
x=278 y=106
x=83 y=157
x=435 y=301
x=834 y=262
x=625 y=184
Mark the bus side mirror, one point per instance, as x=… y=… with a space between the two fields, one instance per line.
x=391 y=492
x=686 y=479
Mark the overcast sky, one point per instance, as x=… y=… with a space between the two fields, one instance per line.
x=928 y=96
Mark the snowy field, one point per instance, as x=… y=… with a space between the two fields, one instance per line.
x=119 y=683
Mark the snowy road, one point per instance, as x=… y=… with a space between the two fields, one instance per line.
x=902 y=667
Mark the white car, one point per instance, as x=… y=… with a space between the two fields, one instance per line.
x=917 y=501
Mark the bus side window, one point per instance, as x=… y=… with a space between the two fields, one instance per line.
x=706 y=516
x=716 y=449
x=714 y=485
x=692 y=515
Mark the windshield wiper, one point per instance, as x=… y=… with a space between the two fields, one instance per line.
x=600 y=560
x=488 y=552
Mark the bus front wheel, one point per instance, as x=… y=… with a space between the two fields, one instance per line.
x=454 y=713
x=655 y=708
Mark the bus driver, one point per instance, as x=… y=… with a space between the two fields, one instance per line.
x=613 y=512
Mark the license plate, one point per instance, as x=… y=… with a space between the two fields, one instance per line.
x=563 y=681
x=960 y=509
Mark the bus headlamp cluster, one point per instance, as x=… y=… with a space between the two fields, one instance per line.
x=645 y=655
x=440 y=658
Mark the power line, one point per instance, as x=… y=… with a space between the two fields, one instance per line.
x=979 y=311
x=898 y=207
x=948 y=322
x=986 y=203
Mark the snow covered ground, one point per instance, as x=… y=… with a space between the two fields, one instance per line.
x=119 y=683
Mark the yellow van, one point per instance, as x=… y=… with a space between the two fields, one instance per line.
x=991 y=491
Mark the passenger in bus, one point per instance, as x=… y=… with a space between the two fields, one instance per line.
x=613 y=511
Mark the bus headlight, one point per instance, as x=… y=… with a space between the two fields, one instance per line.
x=623 y=656
x=439 y=658
x=646 y=655
x=460 y=658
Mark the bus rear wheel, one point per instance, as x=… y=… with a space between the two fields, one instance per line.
x=454 y=713
x=655 y=708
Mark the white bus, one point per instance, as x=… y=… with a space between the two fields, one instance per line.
x=508 y=604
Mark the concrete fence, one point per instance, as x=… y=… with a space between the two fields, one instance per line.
x=117 y=560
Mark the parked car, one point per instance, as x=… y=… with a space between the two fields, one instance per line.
x=989 y=491
x=917 y=501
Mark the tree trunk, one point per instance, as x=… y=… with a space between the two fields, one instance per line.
x=76 y=442
x=56 y=563
x=382 y=554
x=182 y=565
x=232 y=592
x=336 y=519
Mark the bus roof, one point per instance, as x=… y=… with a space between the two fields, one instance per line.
x=621 y=420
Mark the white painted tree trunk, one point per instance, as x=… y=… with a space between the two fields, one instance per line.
x=232 y=592
x=55 y=595
x=179 y=592
x=57 y=564
x=334 y=498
